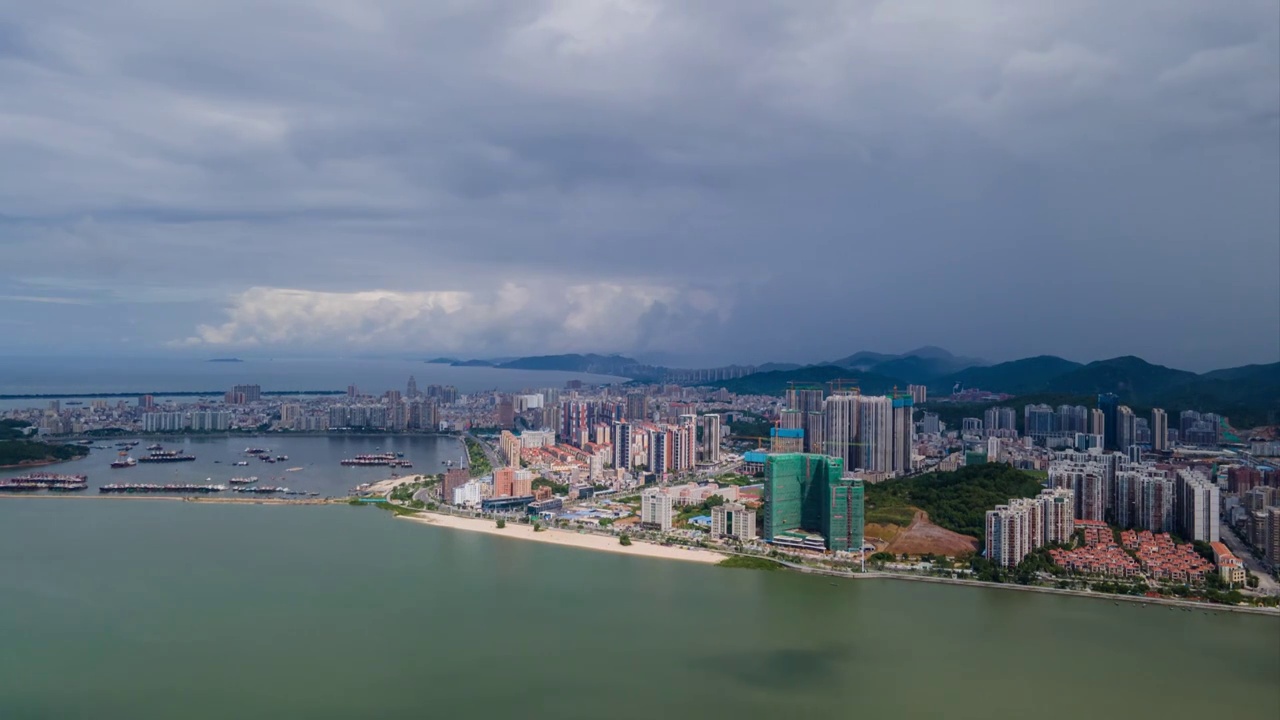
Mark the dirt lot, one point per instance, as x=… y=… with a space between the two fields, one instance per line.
x=922 y=536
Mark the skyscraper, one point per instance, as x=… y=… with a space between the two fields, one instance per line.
x=808 y=402
x=840 y=432
x=1000 y=421
x=1037 y=421
x=1159 y=430
x=710 y=438
x=412 y=391
x=1196 y=506
x=1126 y=430
x=808 y=492
x=1109 y=404
x=901 y=429
x=875 y=432
x=637 y=406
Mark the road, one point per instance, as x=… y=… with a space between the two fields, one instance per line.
x=489 y=452
x=1266 y=581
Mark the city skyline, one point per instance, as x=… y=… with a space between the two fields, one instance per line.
x=648 y=178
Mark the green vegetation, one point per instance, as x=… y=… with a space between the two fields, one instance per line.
x=734 y=479
x=502 y=523
x=624 y=540
x=957 y=501
x=477 y=460
x=16 y=450
x=776 y=382
x=749 y=424
x=703 y=508
x=556 y=488
x=750 y=563
x=890 y=515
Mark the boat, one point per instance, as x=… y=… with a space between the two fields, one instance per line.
x=243 y=480
x=124 y=462
x=156 y=446
x=254 y=451
x=166 y=456
x=153 y=488
x=44 y=481
x=282 y=458
x=240 y=463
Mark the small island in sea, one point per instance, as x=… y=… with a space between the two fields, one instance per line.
x=225 y=360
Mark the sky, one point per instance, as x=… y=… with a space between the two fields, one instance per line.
x=686 y=182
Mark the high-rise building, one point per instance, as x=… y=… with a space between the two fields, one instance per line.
x=1271 y=538
x=808 y=492
x=573 y=423
x=1000 y=421
x=1098 y=424
x=875 y=432
x=1024 y=524
x=733 y=520
x=808 y=402
x=1038 y=421
x=506 y=412
x=971 y=426
x=902 y=430
x=710 y=438
x=1126 y=429
x=684 y=437
x=637 y=406
x=622 y=443
x=290 y=415
x=919 y=394
x=412 y=390
x=656 y=510
x=930 y=424
x=1159 y=430
x=248 y=393
x=1109 y=404
x=504 y=480
x=840 y=433
x=659 y=451
x=511 y=446
x=1071 y=419
x=1196 y=505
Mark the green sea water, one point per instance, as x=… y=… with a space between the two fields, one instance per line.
x=135 y=609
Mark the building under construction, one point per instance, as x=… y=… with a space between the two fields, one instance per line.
x=808 y=493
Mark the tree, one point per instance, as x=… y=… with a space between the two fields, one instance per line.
x=502 y=523
x=624 y=540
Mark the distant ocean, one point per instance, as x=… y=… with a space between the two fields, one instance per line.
x=70 y=375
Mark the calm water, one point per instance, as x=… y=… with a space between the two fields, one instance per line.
x=316 y=457
x=131 y=610
x=66 y=375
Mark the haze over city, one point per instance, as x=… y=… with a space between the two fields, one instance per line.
x=683 y=182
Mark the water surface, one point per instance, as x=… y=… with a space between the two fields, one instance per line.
x=131 y=610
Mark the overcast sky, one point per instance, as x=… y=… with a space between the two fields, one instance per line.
x=687 y=181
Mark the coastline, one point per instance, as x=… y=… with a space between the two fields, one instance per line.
x=603 y=543
x=564 y=538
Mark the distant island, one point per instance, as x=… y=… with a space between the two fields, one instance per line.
x=228 y=360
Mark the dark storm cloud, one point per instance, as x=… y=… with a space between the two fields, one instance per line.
x=745 y=181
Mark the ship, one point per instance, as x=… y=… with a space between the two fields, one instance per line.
x=241 y=463
x=243 y=480
x=166 y=456
x=44 y=481
x=124 y=462
x=370 y=460
x=261 y=489
x=152 y=488
x=155 y=447
x=254 y=451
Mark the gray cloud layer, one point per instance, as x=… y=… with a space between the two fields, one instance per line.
x=714 y=181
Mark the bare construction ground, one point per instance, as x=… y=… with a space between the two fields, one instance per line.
x=922 y=536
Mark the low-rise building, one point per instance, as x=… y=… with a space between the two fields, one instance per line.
x=733 y=520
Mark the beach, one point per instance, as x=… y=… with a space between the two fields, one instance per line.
x=552 y=536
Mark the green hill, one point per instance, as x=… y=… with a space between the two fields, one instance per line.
x=957 y=501
x=777 y=382
x=1131 y=378
x=1029 y=375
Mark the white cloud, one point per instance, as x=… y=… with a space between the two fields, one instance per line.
x=511 y=318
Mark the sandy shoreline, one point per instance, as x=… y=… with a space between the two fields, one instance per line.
x=552 y=536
